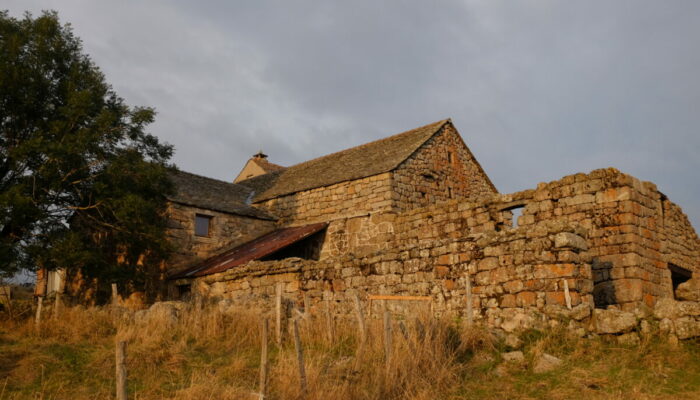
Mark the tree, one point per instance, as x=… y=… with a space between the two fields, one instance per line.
x=82 y=184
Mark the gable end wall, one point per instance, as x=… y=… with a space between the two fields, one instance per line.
x=429 y=176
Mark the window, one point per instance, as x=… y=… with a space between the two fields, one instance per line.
x=449 y=157
x=678 y=276
x=202 y=225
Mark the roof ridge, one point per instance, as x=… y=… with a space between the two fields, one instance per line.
x=441 y=123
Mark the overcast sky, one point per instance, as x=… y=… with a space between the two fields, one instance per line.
x=538 y=89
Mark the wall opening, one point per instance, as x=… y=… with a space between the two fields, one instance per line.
x=603 y=285
x=202 y=225
x=308 y=249
x=509 y=215
x=184 y=292
x=678 y=276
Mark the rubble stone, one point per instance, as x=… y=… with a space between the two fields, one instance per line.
x=546 y=363
x=613 y=321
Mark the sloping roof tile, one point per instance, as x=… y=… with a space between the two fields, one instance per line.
x=358 y=162
x=253 y=250
x=212 y=194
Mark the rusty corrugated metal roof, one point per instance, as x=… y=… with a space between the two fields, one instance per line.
x=253 y=250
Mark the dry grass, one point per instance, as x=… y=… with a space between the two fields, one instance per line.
x=208 y=355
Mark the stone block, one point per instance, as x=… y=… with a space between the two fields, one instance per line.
x=488 y=263
x=613 y=321
x=441 y=271
x=555 y=298
x=689 y=290
x=628 y=290
x=570 y=240
x=686 y=328
x=526 y=299
x=508 y=301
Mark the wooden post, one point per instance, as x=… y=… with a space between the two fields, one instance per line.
x=57 y=305
x=121 y=370
x=37 y=319
x=115 y=295
x=329 y=321
x=567 y=295
x=263 y=361
x=307 y=305
x=278 y=313
x=387 y=337
x=470 y=311
x=300 y=358
x=360 y=317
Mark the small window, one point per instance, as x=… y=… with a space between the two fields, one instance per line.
x=678 y=276
x=202 y=225
x=449 y=156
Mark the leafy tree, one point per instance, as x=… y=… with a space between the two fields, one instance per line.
x=82 y=184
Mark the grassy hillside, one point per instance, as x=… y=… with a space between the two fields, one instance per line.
x=206 y=355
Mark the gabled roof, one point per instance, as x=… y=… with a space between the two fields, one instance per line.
x=212 y=194
x=266 y=165
x=253 y=250
x=369 y=159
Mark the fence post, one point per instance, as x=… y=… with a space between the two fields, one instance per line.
x=263 y=360
x=39 y=307
x=57 y=305
x=329 y=321
x=470 y=311
x=300 y=359
x=387 y=337
x=121 y=370
x=360 y=317
x=278 y=313
x=115 y=295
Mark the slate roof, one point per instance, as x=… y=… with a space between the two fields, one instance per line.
x=212 y=194
x=369 y=159
x=266 y=165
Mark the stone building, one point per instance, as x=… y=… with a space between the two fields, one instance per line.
x=414 y=214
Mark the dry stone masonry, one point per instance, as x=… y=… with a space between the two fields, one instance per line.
x=602 y=252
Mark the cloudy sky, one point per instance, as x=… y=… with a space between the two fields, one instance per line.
x=538 y=89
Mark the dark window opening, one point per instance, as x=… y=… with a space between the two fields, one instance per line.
x=678 y=276
x=202 y=225
x=307 y=249
x=449 y=156
x=449 y=192
x=184 y=292
x=603 y=285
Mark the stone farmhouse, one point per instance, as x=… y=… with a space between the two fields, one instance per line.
x=415 y=215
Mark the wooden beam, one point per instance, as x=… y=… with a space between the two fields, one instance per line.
x=406 y=298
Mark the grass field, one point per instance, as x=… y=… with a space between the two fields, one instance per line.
x=207 y=355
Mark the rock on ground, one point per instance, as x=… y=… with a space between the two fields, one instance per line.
x=514 y=356
x=613 y=321
x=546 y=363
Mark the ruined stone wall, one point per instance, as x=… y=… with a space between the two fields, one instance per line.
x=633 y=231
x=517 y=277
x=341 y=200
x=442 y=169
x=361 y=235
x=681 y=245
x=607 y=235
x=227 y=230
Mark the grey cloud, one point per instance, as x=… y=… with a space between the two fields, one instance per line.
x=538 y=89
